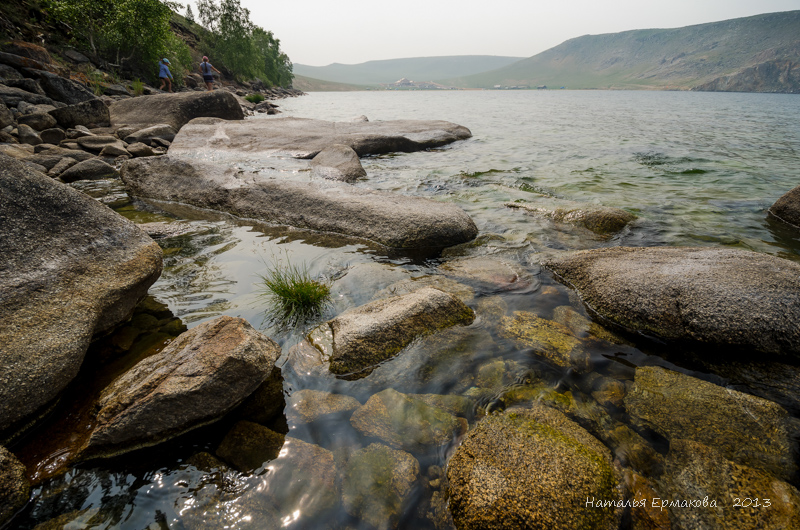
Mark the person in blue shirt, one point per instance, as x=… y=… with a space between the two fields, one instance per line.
x=165 y=75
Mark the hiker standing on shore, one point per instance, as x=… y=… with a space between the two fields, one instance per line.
x=164 y=74
x=208 y=77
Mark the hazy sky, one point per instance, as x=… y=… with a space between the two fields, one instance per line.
x=320 y=32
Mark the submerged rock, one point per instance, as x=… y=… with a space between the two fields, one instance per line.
x=377 y=483
x=745 y=497
x=69 y=268
x=175 y=109
x=787 y=208
x=406 y=422
x=248 y=446
x=493 y=273
x=304 y=138
x=721 y=297
x=338 y=162
x=14 y=485
x=551 y=340
x=532 y=468
x=366 y=335
x=392 y=220
x=601 y=220
x=198 y=378
x=305 y=406
x=743 y=428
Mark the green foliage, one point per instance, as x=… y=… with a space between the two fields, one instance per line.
x=189 y=13
x=137 y=86
x=96 y=81
x=254 y=98
x=293 y=296
x=244 y=48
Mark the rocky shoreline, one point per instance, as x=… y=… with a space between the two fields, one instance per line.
x=521 y=453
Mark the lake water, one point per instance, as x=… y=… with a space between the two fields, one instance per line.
x=697 y=169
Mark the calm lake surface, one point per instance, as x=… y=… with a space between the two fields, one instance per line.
x=698 y=169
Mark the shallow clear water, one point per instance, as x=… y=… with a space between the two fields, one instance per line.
x=698 y=169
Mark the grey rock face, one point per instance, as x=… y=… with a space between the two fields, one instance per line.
x=37 y=121
x=12 y=96
x=532 y=468
x=338 y=162
x=176 y=109
x=138 y=149
x=98 y=142
x=69 y=268
x=787 y=208
x=93 y=169
x=14 y=485
x=148 y=134
x=6 y=117
x=391 y=220
x=743 y=428
x=303 y=138
x=52 y=136
x=28 y=135
x=60 y=88
x=720 y=297
x=91 y=113
x=366 y=335
x=202 y=375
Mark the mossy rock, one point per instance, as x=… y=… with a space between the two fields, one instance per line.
x=532 y=468
x=582 y=326
x=551 y=340
x=744 y=428
x=405 y=422
x=305 y=406
x=377 y=484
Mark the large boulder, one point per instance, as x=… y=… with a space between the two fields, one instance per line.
x=148 y=134
x=175 y=109
x=69 y=268
x=304 y=138
x=367 y=335
x=20 y=62
x=787 y=208
x=337 y=162
x=92 y=169
x=743 y=428
x=533 y=468
x=38 y=121
x=60 y=88
x=718 y=297
x=91 y=113
x=406 y=422
x=14 y=485
x=392 y=220
x=198 y=378
x=12 y=96
x=713 y=492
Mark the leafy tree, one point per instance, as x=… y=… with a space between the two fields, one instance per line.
x=189 y=13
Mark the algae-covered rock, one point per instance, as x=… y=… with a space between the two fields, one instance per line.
x=532 y=468
x=405 y=422
x=456 y=405
x=377 y=483
x=745 y=497
x=601 y=220
x=746 y=429
x=14 y=485
x=644 y=515
x=369 y=334
x=709 y=296
x=582 y=326
x=551 y=340
x=305 y=406
x=248 y=446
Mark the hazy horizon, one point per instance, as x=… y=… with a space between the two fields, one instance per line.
x=316 y=33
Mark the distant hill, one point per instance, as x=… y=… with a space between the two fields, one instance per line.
x=308 y=84
x=374 y=73
x=753 y=54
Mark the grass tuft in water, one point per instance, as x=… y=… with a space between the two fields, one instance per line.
x=293 y=296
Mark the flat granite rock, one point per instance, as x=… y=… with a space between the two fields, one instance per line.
x=395 y=221
x=175 y=109
x=717 y=297
x=69 y=268
x=304 y=138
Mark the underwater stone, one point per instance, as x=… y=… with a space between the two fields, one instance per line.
x=377 y=483
x=746 y=429
x=14 y=485
x=305 y=406
x=549 y=339
x=532 y=468
x=248 y=446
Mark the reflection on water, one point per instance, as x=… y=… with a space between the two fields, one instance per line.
x=696 y=169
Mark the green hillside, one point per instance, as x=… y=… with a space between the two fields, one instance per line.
x=760 y=53
x=417 y=69
x=309 y=84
